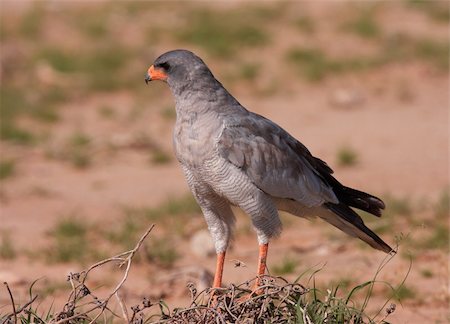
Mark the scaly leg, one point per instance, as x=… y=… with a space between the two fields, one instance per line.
x=262 y=264
x=218 y=276
x=219 y=270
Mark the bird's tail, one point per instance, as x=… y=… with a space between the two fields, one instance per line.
x=347 y=220
x=348 y=196
x=358 y=199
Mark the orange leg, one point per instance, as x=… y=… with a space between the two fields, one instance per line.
x=262 y=264
x=219 y=270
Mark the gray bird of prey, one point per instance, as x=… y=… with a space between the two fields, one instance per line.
x=233 y=157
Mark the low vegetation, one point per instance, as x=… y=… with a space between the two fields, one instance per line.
x=184 y=206
x=162 y=252
x=107 y=112
x=79 y=150
x=46 y=78
x=278 y=300
x=364 y=24
x=397 y=206
x=70 y=241
x=346 y=156
x=403 y=292
x=159 y=156
x=7 y=250
x=305 y=24
x=74 y=240
x=314 y=64
x=7 y=169
x=442 y=205
x=168 y=112
x=224 y=33
x=427 y=273
x=436 y=10
x=125 y=233
x=286 y=266
x=439 y=238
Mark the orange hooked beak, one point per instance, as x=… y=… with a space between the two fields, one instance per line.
x=155 y=74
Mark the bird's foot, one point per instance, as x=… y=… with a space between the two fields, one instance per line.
x=214 y=298
x=256 y=291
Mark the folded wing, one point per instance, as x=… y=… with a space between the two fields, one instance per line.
x=275 y=161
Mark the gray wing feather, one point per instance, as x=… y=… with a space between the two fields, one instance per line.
x=274 y=160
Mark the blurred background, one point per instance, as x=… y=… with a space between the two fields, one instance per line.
x=86 y=162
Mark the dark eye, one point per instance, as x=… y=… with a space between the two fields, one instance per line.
x=163 y=65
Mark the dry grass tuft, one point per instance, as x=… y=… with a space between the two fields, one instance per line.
x=276 y=301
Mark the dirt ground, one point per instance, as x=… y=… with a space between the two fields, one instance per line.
x=392 y=118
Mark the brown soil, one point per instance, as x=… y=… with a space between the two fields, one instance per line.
x=399 y=130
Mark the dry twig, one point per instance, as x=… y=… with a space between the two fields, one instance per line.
x=14 y=313
x=80 y=290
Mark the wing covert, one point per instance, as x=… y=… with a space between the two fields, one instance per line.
x=274 y=160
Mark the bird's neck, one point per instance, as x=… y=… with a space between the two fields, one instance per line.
x=201 y=97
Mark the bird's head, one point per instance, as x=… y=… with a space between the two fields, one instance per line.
x=177 y=68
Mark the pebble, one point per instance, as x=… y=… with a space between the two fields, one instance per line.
x=347 y=98
x=202 y=244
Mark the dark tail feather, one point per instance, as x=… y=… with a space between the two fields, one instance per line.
x=351 y=223
x=359 y=199
x=348 y=196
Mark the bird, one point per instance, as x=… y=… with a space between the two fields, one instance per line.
x=231 y=156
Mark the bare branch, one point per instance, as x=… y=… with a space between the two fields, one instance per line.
x=124 y=258
x=122 y=307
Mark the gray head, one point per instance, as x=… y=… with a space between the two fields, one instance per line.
x=180 y=69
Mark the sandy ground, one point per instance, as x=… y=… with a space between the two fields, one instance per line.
x=402 y=148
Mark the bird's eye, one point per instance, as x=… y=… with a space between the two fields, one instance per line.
x=163 y=65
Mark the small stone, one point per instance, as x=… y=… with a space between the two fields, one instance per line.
x=121 y=140
x=202 y=244
x=346 y=98
x=323 y=250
